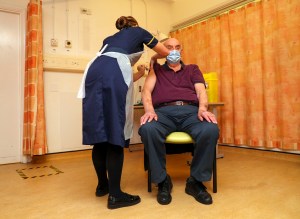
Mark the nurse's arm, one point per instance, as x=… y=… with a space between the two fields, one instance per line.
x=161 y=51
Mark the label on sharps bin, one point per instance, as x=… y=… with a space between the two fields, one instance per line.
x=211 y=82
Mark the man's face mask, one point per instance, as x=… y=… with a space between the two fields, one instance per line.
x=174 y=57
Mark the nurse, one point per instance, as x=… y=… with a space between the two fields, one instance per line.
x=107 y=92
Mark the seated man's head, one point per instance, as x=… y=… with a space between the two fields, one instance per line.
x=174 y=46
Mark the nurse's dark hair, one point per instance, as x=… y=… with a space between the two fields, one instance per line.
x=124 y=22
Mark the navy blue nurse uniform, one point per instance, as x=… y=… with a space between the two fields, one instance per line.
x=106 y=89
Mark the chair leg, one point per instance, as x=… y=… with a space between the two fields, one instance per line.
x=215 y=174
x=147 y=168
x=149 y=180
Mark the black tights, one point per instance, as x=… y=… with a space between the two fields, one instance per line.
x=108 y=162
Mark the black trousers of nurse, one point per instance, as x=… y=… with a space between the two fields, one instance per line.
x=185 y=119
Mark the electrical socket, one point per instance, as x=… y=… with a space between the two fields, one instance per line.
x=68 y=44
x=54 y=42
x=85 y=11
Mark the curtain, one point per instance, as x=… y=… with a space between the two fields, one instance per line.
x=255 y=50
x=34 y=137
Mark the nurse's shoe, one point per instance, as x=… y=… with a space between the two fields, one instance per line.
x=124 y=201
x=101 y=190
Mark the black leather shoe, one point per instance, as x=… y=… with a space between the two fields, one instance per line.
x=101 y=190
x=164 y=191
x=124 y=201
x=198 y=191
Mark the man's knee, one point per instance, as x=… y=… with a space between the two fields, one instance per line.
x=211 y=131
x=147 y=129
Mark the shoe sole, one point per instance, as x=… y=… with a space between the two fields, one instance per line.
x=123 y=204
x=192 y=194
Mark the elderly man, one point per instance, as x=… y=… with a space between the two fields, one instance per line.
x=175 y=99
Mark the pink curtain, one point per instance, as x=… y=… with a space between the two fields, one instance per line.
x=256 y=52
x=34 y=139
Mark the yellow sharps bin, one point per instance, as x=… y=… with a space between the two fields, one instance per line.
x=211 y=81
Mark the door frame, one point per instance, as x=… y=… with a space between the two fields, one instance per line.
x=21 y=12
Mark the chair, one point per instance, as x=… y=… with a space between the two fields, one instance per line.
x=179 y=139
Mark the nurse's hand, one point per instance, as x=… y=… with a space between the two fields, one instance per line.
x=141 y=68
x=148 y=117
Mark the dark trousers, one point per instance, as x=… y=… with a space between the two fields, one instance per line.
x=180 y=118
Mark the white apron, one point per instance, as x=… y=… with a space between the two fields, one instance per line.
x=124 y=62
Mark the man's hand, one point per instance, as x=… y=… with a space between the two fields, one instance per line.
x=148 y=117
x=208 y=116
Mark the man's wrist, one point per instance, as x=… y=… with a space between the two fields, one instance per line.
x=202 y=108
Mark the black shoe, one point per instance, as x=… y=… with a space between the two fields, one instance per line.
x=164 y=191
x=124 y=201
x=198 y=191
x=101 y=190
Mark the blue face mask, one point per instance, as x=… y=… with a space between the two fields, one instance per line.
x=174 y=57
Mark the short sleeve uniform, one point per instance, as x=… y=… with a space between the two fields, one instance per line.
x=104 y=113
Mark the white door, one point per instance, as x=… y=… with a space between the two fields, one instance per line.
x=10 y=87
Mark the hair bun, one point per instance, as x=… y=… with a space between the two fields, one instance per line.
x=124 y=22
x=121 y=22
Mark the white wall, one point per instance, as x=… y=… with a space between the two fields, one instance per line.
x=15 y=3
x=88 y=31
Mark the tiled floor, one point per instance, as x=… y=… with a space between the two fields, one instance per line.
x=251 y=184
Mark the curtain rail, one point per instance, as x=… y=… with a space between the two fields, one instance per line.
x=211 y=13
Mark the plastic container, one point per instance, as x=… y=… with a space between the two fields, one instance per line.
x=211 y=81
